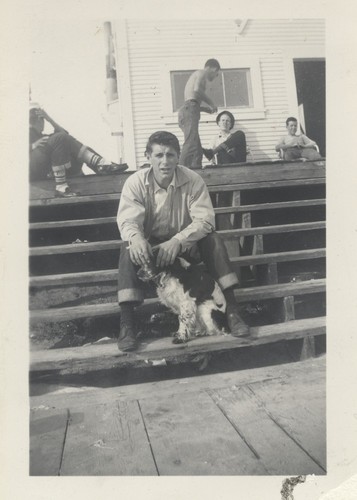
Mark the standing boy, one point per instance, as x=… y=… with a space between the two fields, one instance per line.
x=189 y=113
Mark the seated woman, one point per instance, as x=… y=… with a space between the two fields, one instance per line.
x=227 y=146
x=60 y=155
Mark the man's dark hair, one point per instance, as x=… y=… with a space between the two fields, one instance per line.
x=291 y=119
x=162 y=138
x=212 y=63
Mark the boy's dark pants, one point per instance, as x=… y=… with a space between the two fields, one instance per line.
x=189 y=118
x=210 y=250
x=60 y=149
x=295 y=153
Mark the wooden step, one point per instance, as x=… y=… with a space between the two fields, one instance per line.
x=48 y=200
x=116 y=244
x=226 y=234
x=103 y=357
x=222 y=210
x=241 y=295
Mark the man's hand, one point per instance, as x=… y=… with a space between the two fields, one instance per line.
x=140 y=250
x=168 y=251
x=41 y=113
x=214 y=109
x=39 y=142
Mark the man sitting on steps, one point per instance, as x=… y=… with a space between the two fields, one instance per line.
x=61 y=155
x=168 y=205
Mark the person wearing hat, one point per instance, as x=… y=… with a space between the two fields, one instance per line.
x=61 y=155
x=227 y=146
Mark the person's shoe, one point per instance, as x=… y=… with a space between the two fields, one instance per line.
x=208 y=153
x=236 y=325
x=112 y=168
x=67 y=193
x=127 y=339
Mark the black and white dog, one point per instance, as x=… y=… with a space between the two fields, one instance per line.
x=191 y=293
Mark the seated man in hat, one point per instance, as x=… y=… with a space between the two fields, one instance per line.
x=168 y=206
x=227 y=146
x=60 y=155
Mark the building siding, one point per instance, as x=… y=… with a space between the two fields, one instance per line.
x=152 y=43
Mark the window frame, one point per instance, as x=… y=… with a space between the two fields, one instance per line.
x=257 y=111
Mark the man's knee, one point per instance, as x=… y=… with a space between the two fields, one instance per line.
x=58 y=139
x=292 y=154
x=212 y=246
x=311 y=154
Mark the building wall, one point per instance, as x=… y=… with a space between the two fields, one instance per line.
x=151 y=44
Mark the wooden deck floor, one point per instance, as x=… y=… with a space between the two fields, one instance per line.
x=261 y=421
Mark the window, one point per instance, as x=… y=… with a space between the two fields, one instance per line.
x=238 y=86
x=231 y=89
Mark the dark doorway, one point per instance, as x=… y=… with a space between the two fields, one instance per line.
x=311 y=93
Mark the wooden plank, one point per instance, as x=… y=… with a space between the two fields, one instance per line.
x=59 y=224
x=85 y=185
x=47 y=435
x=107 y=440
x=308 y=372
x=244 y=186
x=241 y=295
x=86 y=277
x=48 y=200
x=299 y=408
x=280 y=454
x=200 y=442
x=308 y=348
x=272 y=206
x=76 y=248
x=288 y=308
x=269 y=170
x=274 y=229
x=85 y=311
x=225 y=222
x=116 y=244
x=100 y=357
x=112 y=220
x=272 y=258
x=227 y=234
x=44 y=202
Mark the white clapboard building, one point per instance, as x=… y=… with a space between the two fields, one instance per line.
x=271 y=69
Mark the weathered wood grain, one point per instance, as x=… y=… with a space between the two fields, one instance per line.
x=60 y=395
x=102 y=357
x=279 y=453
x=108 y=309
x=218 y=210
x=107 y=440
x=299 y=407
x=189 y=435
x=47 y=435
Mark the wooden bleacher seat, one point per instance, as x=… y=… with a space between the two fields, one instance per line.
x=60 y=259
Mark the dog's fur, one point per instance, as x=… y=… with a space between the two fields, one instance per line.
x=191 y=293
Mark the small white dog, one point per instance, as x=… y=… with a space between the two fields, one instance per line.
x=191 y=293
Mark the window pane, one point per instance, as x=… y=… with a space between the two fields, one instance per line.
x=214 y=91
x=178 y=82
x=237 y=88
x=231 y=89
